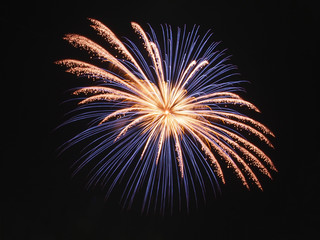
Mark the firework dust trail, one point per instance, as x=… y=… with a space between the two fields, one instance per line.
x=164 y=119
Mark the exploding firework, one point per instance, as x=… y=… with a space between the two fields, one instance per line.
x=164 y=120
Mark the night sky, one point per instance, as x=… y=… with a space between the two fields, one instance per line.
x=272 y=43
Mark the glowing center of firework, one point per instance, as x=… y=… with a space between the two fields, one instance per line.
x=166 y=112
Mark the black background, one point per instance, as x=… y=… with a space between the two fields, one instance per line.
x=273 y=44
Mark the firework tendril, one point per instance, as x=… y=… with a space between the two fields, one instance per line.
x=164 y=119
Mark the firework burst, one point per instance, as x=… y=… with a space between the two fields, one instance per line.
x=164 y=119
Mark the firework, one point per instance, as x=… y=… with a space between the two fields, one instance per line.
x=164 y=118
